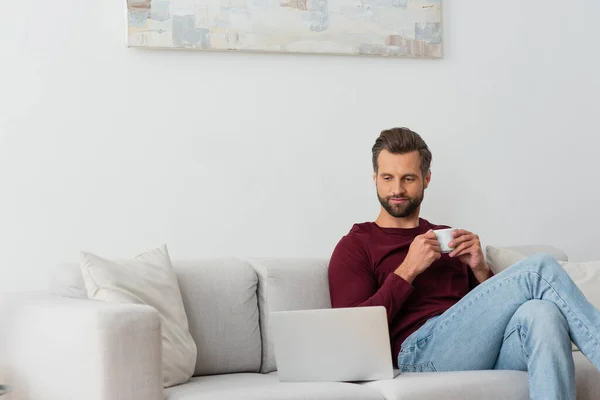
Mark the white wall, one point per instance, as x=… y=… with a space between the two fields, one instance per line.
x=118 y=150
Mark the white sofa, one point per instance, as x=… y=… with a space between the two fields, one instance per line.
x=60 y=345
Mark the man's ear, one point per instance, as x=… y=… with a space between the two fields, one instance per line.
x=375 y=177
x=427 y=179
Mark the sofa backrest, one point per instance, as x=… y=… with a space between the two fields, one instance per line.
x=220 y=299
x=288 y=284
x=222 y=309
x=228 y=301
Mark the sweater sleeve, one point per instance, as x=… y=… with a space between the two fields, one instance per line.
x=473 y=282
x=352 y=282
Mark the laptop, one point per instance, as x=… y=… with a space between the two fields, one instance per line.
x=332 y=345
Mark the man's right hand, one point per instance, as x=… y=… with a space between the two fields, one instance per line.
x=423 y=251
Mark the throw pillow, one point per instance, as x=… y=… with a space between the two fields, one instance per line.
x=147 y=279
x=500 y=258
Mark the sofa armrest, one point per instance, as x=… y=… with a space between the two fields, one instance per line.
x=62 y=348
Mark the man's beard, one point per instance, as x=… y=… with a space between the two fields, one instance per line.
x=402 y=210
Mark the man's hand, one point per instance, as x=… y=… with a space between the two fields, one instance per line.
x=423 y=251
x=467 y=247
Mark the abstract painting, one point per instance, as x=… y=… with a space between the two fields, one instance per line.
x=394 y=28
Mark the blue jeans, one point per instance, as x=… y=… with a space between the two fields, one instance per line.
x=523 y=318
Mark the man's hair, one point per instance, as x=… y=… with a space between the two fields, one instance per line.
x=402 y=141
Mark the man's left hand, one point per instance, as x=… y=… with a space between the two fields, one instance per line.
x=467 y=247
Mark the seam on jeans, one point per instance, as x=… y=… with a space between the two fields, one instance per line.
x=418 y=344
x=522 y=335
x=517 y=328
x=566 y=306
x=478 y=296
x=510 y=332
x=498 y=284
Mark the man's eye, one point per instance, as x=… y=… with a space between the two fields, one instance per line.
x=409 y=179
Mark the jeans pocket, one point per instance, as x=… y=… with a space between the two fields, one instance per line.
x=416 y=357
x=421 y=367
x=411 y=346
x=419 y=337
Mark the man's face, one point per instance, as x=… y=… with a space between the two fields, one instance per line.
x=400 y=184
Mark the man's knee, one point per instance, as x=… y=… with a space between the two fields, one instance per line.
x=541 y=313
x=546 y=260
x=541 y=323
x=537 y=263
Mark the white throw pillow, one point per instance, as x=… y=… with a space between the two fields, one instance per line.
x=147 y=279
x=500 y=258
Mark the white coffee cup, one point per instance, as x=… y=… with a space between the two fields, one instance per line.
x=444 y=236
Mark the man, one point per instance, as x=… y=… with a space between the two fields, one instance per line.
x=448 y=312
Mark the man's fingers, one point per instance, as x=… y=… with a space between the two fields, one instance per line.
x=460 y=232
x=458 y=250
x=467 y=250
x=461 y=239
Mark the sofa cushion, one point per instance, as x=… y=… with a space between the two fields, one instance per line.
x=464 y=385
x=500 y=258
x=267 y=387
x=220 y=298
x=478 y=385
x=285 y=285
x=147 y=279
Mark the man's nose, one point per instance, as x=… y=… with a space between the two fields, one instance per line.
x=399 y=188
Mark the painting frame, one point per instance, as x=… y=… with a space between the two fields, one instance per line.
x=388 y=28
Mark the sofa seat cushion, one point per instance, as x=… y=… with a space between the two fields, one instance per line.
x=467 y=385
x=267 y=387
x=476 y=385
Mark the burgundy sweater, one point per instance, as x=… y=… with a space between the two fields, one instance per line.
x=361 y=273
